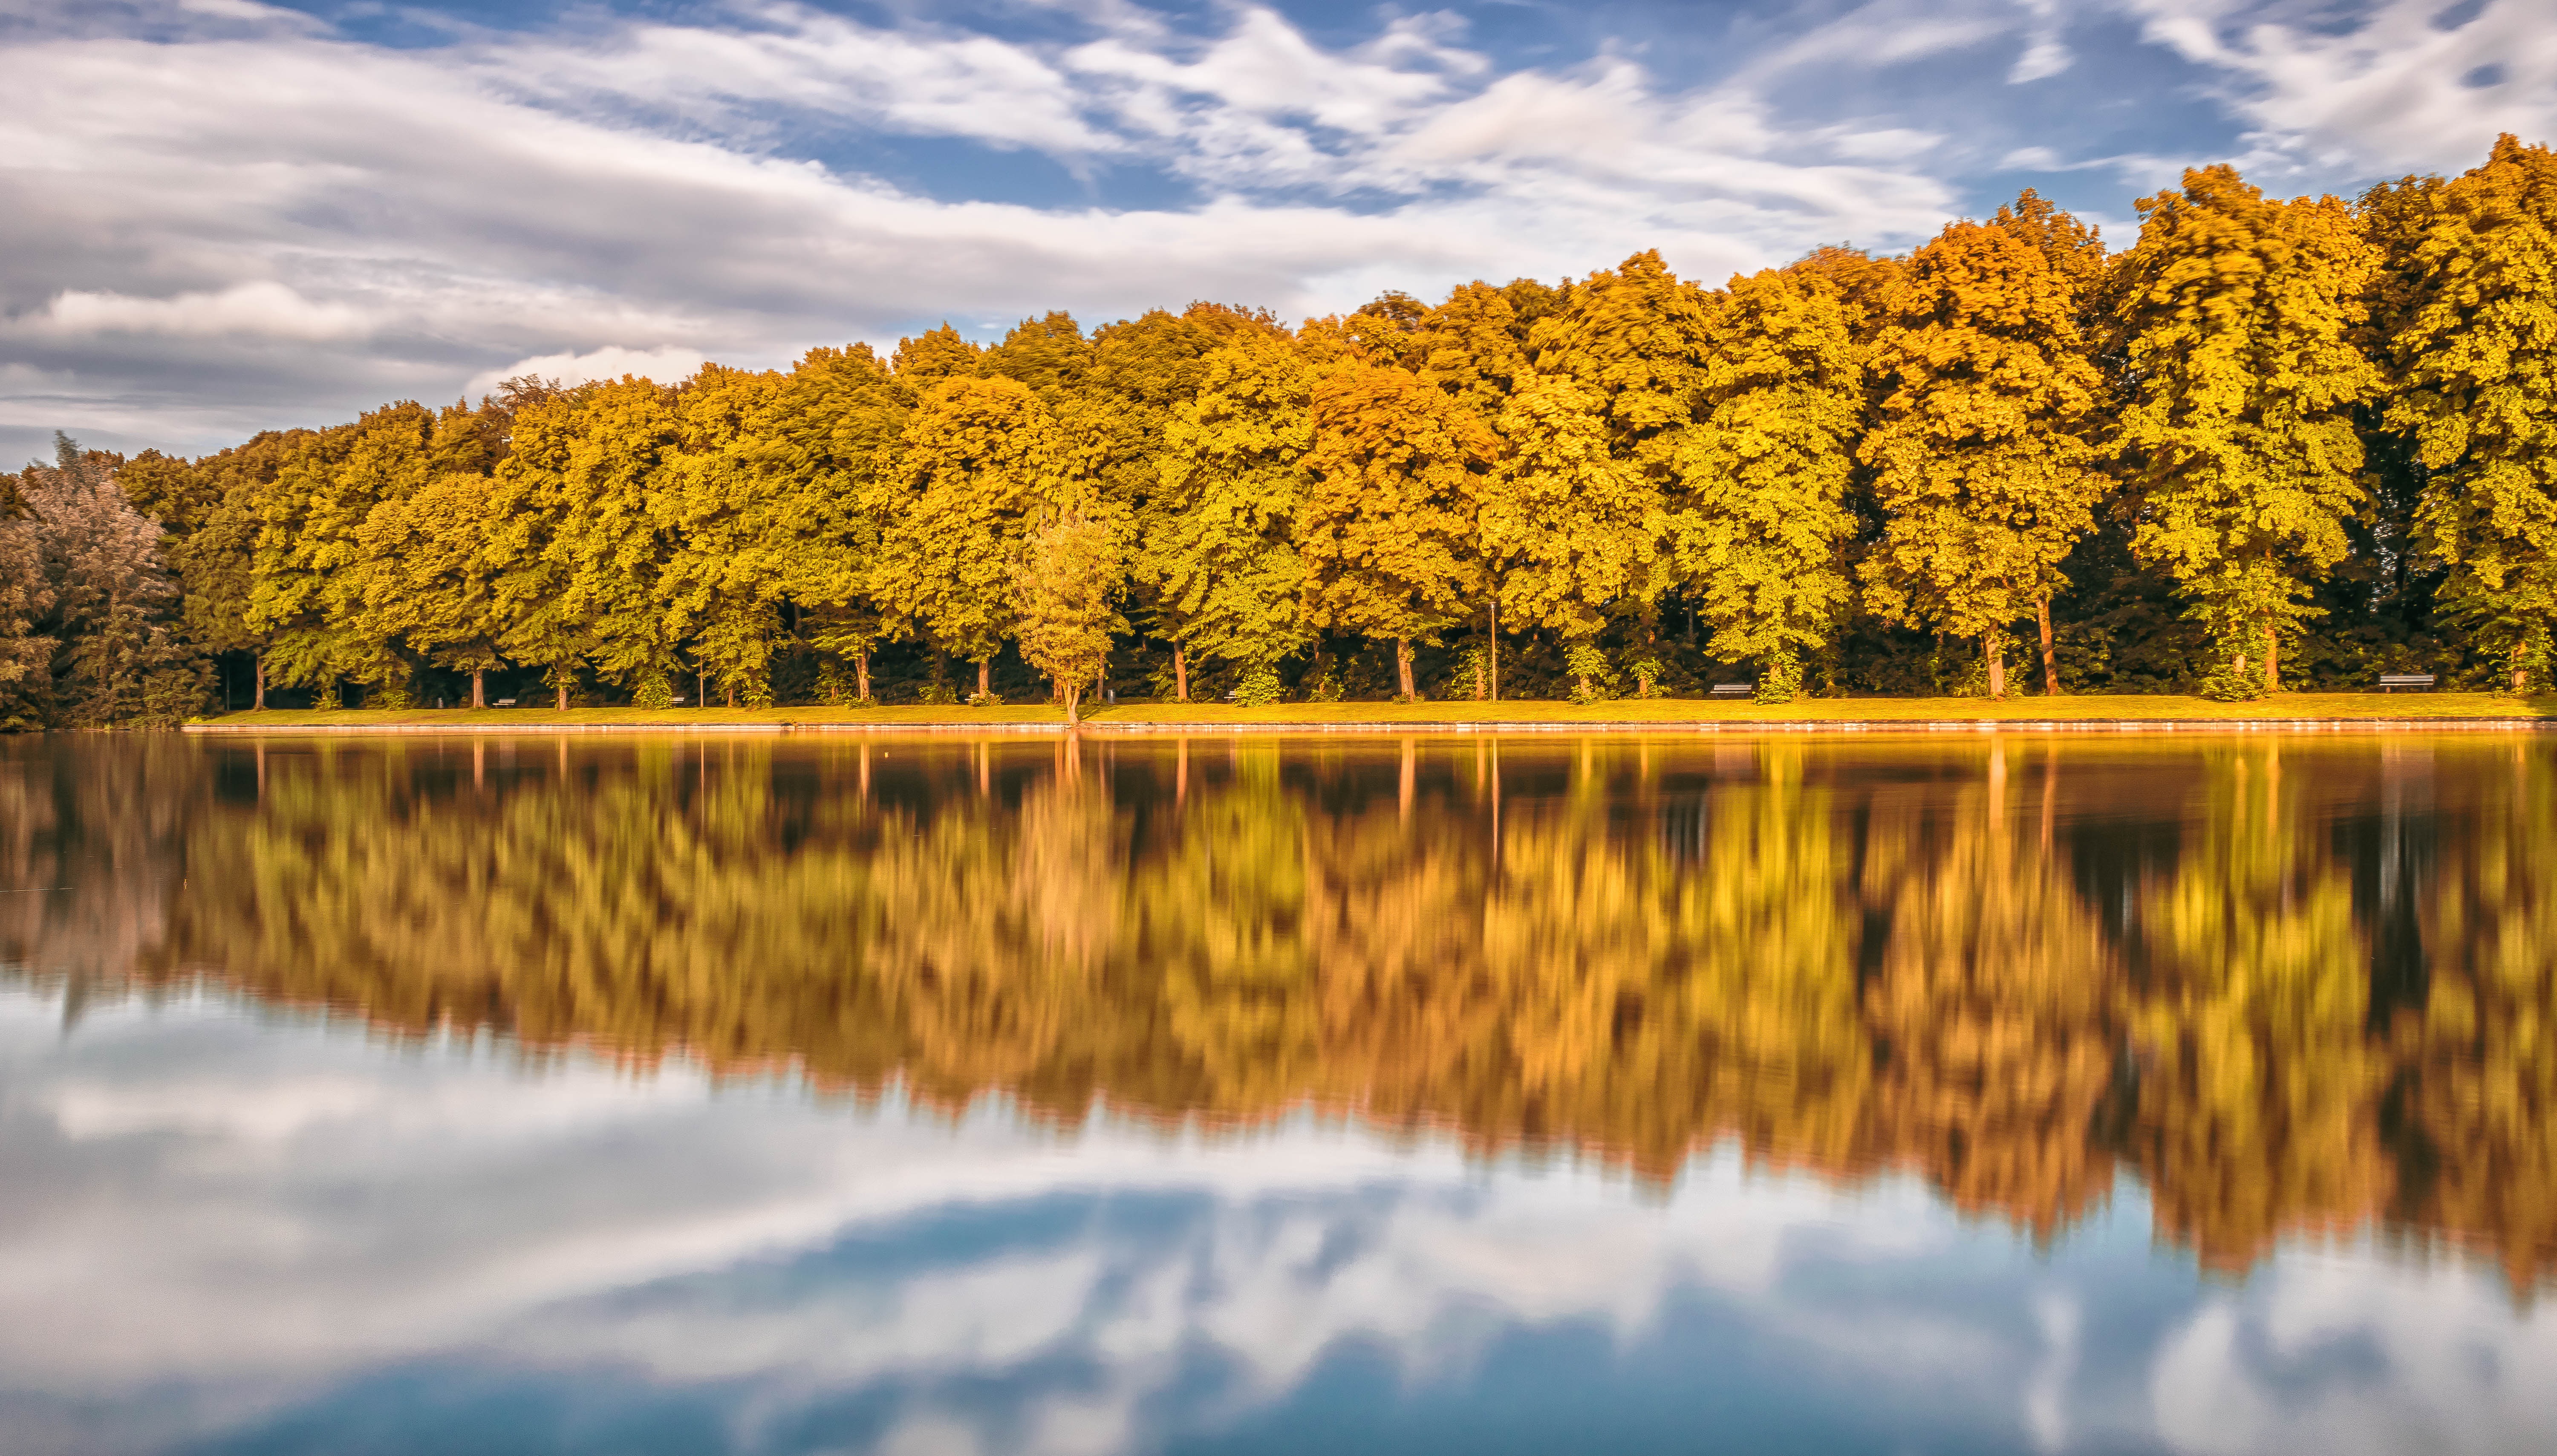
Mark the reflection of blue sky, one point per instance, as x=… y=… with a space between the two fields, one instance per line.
x=286 y=213
x=218 y=1234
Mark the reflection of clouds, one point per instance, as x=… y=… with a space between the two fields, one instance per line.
x=2322 y=1355
x=254 y=1218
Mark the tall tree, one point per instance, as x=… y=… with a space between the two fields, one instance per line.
x=842 y=421
x=612 y=540
x=529 y=503
x=1388 y=524
x=1571 y=532
x=86 y=637
x=1981 y=462
x=1120 y=431
x=312 y=566
x=431 y=581
x=1220 y=549
x=1634 y=338
x=982 y=458
x=2237 y=317
x=2472 y=335
x=1761 y=500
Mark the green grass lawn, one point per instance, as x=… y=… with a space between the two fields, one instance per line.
x=2124 y=708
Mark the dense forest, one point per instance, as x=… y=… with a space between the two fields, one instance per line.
x=2286 y=988
x=2270 y=442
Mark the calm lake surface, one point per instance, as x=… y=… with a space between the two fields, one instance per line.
x=1438 y=1094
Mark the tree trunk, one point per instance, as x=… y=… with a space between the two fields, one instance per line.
x=561 y=685
x=2520 y=676
x=2273 y=657
x=2049 y=659
x=1496 y=642
x=1995 y=651
x=1403 y=665
x=1072 y=693
x=862 y=673
x=479 y=687
x=1180 y=674
x=257 y=666
x=985 y=678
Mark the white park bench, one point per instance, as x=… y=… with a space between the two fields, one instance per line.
x=2421 y=682
x=505 y=702
x=1732 y=690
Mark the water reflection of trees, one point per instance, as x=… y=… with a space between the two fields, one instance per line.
x=2294 y=990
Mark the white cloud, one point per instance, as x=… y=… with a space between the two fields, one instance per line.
x=243 y=311
x=2386 y=93
x=410 y=220
x=667 y=365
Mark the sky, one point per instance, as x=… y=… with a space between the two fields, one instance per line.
x=218 y=216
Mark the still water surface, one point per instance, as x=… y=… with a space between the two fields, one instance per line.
x=1436 y=1095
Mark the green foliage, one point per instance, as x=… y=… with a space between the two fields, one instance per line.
x=1260 y=685
x=1593 y=679
x=1779 y=678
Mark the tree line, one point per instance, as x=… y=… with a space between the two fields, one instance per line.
x=2291 y=990
x=2270 y=441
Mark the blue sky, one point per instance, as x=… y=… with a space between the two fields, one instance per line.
x=218 y=215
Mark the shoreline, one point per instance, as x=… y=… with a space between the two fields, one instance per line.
x=2301 y=713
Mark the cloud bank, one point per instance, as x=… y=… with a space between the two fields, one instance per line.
x=221 y=218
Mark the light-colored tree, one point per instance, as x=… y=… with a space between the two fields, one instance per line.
x=1220 y=553
x=982 y=458
x=1570 y=533
x=2237 y=318
x=2472 y=333
x=1762 y=521
x=1980 y=462
x=1387 y=529
x=1064 y=599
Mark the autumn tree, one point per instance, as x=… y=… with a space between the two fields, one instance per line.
x=1388 y=523
x=1220 y=551
x=1144 y=371
x=2237 y=316
x=87 y=630
x=2471 y=337
x=1063 y=597
x=981 y=459
x=1980 y=464
x=613 y=540
x=432 y=585
x=841 y=421
x=529 y=494
x=1570 y=531
x=313 y=567
x=1762 y=518
x=1632 y=338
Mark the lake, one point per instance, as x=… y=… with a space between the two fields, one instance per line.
x=1976 y=1092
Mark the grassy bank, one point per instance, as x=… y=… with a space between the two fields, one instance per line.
x=2287 y=706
